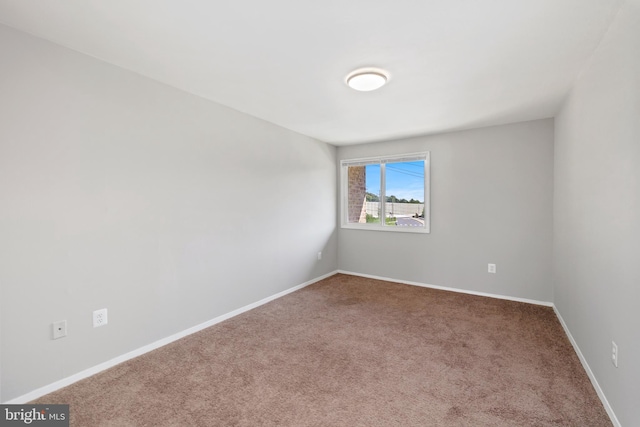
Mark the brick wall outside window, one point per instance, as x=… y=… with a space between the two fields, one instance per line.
x=357 y=193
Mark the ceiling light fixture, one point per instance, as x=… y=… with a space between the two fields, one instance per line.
x=367 y=79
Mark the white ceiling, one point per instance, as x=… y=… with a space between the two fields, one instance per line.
x=454 y=64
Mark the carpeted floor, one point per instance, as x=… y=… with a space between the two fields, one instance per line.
x=350 y=351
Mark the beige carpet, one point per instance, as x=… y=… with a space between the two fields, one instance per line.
x=349 y=351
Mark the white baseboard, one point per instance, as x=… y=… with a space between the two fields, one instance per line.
x=587 y=368
x=147 y=348
x=444 y=288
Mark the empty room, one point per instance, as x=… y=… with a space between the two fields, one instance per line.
x=336 y=213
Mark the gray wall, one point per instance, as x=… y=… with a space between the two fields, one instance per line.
x=491 y=202
x=113 y=191
x=597 y=213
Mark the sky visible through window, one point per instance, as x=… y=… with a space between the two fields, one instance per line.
x=405 y=180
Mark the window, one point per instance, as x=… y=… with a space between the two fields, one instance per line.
x=386 y=193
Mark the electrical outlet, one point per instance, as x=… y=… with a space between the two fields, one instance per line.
x=59 y=329
x=614 y=353
x=492 y=268
x=319 y=256
x=100 y=318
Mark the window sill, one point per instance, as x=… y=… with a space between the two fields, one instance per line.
x=393 y=229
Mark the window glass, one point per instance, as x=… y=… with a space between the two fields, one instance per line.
x=404 y=189
x=386 y=193
x=364 y=194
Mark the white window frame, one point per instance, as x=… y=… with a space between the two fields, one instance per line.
x=382 y=161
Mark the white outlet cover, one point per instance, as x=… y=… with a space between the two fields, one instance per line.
x=491 y=268
x=100 y=318
x=59 y=329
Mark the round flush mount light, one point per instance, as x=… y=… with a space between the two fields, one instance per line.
x=367 y=79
